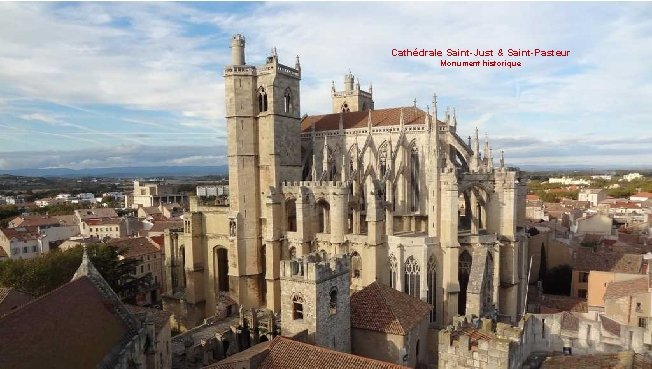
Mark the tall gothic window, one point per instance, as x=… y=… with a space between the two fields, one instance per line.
x=323 y=215
x=392 y=264
x=382 y=159
x=414 y=177
x=297 y=307
x=432 y=286
x=488 y=285
x=412 y=277
x=262 y=100
x=291 y=212
x=287 y=101
x=332 y=306
x=356 y=265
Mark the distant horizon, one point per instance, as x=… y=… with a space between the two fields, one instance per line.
x=91 y=85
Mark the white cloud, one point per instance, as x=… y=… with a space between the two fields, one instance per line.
x=149 y=57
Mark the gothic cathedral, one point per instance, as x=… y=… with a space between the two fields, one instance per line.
x=412 y=204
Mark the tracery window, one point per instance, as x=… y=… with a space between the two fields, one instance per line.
x=297 y=307
x=392 y=264
x=432 y=286
x=262 y=100
x=382 y=159
x=332 y=306
x=412 y=277
x=414 y=178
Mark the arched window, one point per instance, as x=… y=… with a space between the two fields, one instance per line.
x=345 y=108
x=332 y=305
x=291 y=212
x=356 y=265
x=382 y=159
x=293 y=252
x=364 y=106
x=287 y=101
x=432 y=286
x=262 y=100
x=412 y=278
x=297 y=307
x=392 y=264
x=414 y=177
x=323 y=210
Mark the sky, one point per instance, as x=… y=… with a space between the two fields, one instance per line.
x=88 y=85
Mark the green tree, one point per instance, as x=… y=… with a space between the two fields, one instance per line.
x=49 y=271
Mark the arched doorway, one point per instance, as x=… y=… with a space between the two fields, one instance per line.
x=221 y=269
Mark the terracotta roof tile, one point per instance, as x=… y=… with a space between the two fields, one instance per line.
x=587 y=260
x=160 y=317
x=610 y=325
x=134 y=247
x=285 y=353
x=381 y=308
x=358 y=119
x=626 y=288
x=162 y=225
x=569 y=321
x=74 y=326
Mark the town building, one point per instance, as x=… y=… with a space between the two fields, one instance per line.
x=149 y=194
x=632 y=176
x=148 y=254
x=592 y=195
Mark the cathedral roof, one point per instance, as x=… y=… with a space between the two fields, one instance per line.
x=289 y=354
x=71 y=327
x=82 y=324
x=360 y=119
x=381 y=308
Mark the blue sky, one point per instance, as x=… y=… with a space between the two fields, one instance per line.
x=136 y=84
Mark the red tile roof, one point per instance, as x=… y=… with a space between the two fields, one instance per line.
x=359 y=119
x=134 y=247
x=610 y=325
x=72 y=327
x=285 y=353
x=21 y=233
x=626 y=288
x=587 y=260
x=381 y=308
x=474 y=334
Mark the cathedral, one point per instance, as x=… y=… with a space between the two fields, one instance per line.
x=397 y=191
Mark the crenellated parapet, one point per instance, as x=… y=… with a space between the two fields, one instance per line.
x=314 y=268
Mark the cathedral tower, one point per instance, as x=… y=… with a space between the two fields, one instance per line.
x=352 y=98
x=262 y=114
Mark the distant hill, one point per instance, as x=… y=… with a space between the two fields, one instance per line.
x=163 y=171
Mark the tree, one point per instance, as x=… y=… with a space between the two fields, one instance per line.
x=558 y=280
x=49 y=271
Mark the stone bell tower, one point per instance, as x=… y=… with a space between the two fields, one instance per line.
x=262 y=115
x=352 y=98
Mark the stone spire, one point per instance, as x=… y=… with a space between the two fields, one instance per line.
x=453 y=122
x=490 y=162
x=369 y=122
x=371 y=89
x=297 y=64
x=434 y=108
x=325 y=167
x=485 y=153
x=502 y=159
x=477 y=158
x=402 y=121
x=333 y=86
x=86 y=268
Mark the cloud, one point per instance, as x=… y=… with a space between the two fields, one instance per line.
x=122 y=155
x=123 y=68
